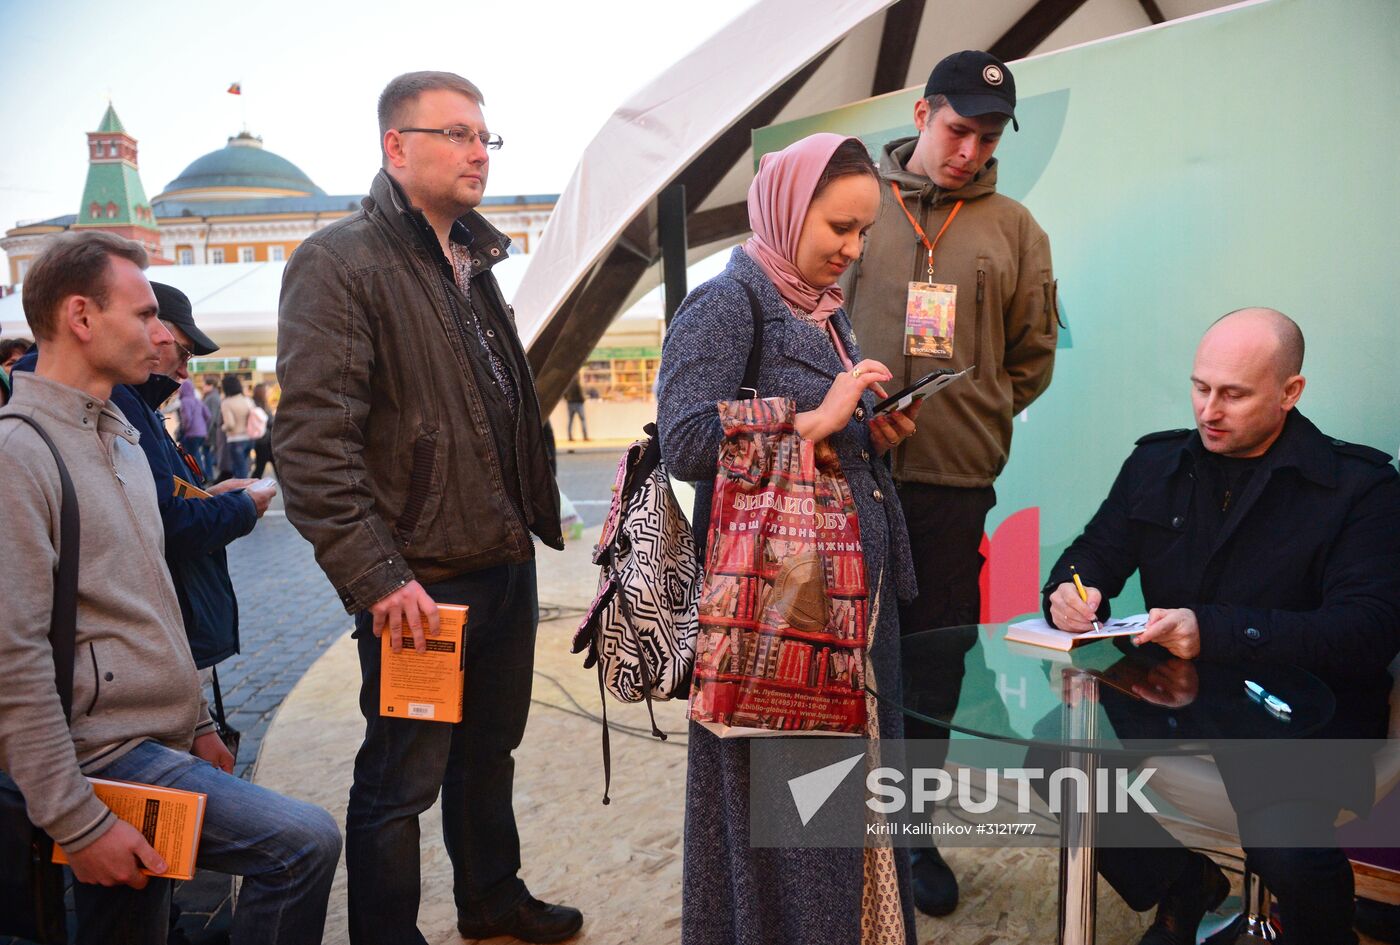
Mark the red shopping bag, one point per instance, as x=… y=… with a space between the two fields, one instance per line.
x=783 y=609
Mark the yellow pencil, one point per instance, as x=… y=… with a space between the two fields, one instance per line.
x=1083 y=594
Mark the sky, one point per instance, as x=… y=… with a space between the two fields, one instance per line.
x=551 y=72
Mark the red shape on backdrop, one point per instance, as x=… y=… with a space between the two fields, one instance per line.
x=236 y=88
x=1010 y=579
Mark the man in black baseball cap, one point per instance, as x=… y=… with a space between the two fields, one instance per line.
x=948 y=243
x=176 y=312
x=975 y=83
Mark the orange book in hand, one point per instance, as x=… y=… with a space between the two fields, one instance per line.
x=426 y=686
x=188 y=490
x=170 y=819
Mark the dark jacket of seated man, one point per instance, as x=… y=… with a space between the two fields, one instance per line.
x=1291 y=558
x=1259 y=541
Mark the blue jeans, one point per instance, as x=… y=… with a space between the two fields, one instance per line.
x=285 y=850
x=576 y=410
x=403 y=763
x=235 y=462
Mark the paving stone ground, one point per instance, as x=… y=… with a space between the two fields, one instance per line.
x=287 y=693
x=288 y=616
x=620 y=863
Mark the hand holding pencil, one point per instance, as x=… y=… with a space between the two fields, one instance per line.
x=1074 y=607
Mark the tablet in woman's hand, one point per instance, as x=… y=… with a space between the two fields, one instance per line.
x=934 y=380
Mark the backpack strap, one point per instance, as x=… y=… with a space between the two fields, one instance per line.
x=63 y=627
x=750 y=381
x=607 y=740
x=610 y=568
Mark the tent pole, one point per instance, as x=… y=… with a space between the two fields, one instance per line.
x=670 y=225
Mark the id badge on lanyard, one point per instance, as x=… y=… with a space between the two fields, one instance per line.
x=931 y=308
x=930 y=315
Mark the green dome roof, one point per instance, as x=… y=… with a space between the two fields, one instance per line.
x=243 y=163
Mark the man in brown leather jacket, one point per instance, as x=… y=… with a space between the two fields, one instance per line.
x=973 y=267
x=409 y=446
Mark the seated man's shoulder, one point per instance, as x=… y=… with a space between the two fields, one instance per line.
x=1359 y=452
x=1362 y=469
x=1165 y=439
x=1153 y=451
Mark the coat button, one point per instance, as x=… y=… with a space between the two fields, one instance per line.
x=1252 y=633
x=865 y=455
x=1178 y=521
x=860 y=413
x=108 y=676
x=878 y=496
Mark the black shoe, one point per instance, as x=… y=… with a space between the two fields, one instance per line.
x=1378 y=920
x=531 y=921
x=1200 y=888
x=935 y=886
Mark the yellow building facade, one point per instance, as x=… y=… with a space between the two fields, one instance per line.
x=239 y=204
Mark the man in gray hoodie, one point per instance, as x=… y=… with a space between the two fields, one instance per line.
x=137 y=712
x=954 y=275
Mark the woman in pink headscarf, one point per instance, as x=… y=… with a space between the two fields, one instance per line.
x=809 y=208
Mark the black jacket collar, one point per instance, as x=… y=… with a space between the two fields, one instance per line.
x=489 y=245
x=1301 y=446
x=157 y=390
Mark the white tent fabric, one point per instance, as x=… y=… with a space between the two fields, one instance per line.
x=234 y=303
x=780 y=60
x=658 y=131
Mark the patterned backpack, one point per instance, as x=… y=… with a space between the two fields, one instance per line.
x=649 y=586
x=641 y=629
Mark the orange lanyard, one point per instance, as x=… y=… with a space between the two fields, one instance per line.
x=923 y=237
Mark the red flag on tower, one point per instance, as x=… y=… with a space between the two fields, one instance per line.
x=236 y=88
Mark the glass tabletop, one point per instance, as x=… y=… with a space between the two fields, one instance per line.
x=974 y=681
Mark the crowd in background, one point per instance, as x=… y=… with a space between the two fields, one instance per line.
x=226 y=428
x=11 y=350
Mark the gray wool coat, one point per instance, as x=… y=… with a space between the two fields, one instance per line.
x=734 y=894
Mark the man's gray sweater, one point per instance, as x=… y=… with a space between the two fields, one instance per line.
x=133 y=676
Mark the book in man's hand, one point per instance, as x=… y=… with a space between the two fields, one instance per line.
x=426 y=686
x=188 y=490
x=1037 y=632
x=171 y=820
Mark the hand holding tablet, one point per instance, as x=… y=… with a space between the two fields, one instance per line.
x=923 y=387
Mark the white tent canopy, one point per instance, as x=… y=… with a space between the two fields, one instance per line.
x=780 y=60
x=234 y=303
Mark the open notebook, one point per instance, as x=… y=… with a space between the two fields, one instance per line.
x=1039 y=633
